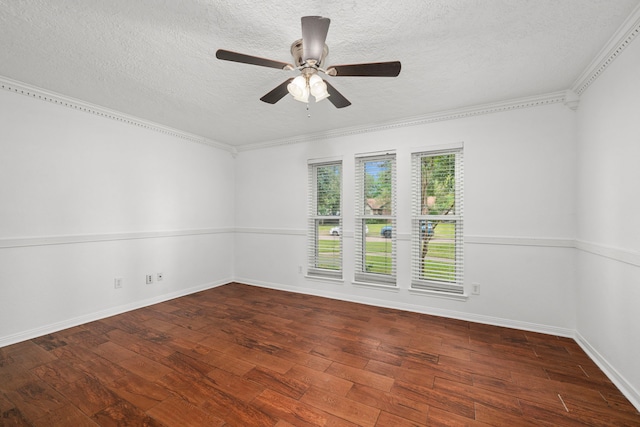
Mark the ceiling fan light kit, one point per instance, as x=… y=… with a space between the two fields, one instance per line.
x=318 y=87
x=299 y=89
x=309 y=54
x=308 y=83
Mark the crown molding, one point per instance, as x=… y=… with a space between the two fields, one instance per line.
x=460 y=113
x=76 y=104
x=627 y=32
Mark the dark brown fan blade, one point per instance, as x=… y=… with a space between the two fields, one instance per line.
x=278 y=93
x=372 y=69
x=227 y=55
x=336 y=97
x=314 y=34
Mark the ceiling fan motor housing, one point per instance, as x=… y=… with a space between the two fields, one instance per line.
x=297 y=51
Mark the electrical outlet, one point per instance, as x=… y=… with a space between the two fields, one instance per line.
x=149 y=279
x=475 y=288
x=158 y=276
x=117 y=283
x=299 y=269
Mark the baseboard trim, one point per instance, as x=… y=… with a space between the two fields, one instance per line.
x=476 y=318
x=623 y=385
x=80 y=320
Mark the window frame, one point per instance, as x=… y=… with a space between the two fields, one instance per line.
x=361 y=276
x=313 y=239
x=418 y=282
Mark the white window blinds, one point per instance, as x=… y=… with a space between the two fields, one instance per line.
x=375 y=214
x=325 y=220
x=437 y=207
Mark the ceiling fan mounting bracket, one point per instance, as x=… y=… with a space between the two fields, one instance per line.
x=297 y=52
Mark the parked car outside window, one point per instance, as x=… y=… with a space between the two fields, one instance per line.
x=425 y=227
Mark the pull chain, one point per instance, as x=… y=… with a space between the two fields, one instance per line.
x=308 y=113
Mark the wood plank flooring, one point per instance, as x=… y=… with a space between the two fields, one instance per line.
x=239 y=355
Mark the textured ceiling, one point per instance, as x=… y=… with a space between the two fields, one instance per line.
x=155 y=59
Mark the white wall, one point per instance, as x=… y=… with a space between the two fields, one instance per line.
x=519 y=186
x=85 y=199
x=608 y=234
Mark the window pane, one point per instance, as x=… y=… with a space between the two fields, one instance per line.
x=329 y=248
x=438 y=182
x=375 y=231
x=328 y=190
x=377 y=187
x=437 y=239
x=325 y=222
x=378 y=246
x=437 y=250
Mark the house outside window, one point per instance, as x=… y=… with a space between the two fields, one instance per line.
x=375 y=227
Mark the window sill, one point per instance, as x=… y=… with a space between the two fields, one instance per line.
x=324 y=279
x=438 y=294
x=392 y=288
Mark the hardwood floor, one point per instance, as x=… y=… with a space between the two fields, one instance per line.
x=239 y=355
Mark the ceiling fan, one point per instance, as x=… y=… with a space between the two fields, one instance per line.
x=309 y=54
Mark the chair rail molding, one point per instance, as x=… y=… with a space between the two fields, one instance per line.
x=21 y=242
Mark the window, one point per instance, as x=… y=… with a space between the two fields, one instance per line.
x=325 y=220
x=437 y=239
x=375 y=231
